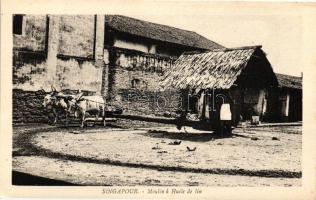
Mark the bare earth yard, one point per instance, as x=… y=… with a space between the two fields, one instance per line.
x=148 y=156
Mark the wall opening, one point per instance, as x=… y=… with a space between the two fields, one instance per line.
x=193 y=104
x=135 y=83
x=139 y=84
x=18 y=24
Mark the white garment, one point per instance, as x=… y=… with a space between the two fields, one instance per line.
x=225 y=113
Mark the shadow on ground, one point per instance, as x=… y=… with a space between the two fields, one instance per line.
x=19 y=178
x=194 y=137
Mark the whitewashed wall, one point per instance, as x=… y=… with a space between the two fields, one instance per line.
x=146 y=48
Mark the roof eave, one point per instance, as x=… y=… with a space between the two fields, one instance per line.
x=163 y=41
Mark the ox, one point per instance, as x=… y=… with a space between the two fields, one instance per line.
x=92 y=105
x=57 y=102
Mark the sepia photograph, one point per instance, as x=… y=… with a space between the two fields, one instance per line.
x=156 y=104
x=148 y=99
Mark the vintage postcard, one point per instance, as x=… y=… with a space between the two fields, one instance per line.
x=158 y=99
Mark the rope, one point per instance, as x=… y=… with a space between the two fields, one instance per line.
x=91 y=101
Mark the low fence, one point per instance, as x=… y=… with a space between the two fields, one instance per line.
x=27 y=107
x=138 y=102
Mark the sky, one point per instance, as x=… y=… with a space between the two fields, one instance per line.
x=279 y=35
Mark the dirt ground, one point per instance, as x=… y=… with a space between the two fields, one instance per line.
x=139 y=155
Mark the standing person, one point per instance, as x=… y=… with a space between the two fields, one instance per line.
x=225 y=120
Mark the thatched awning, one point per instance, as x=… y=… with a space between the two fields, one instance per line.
x=291 y=82
x=218 y=69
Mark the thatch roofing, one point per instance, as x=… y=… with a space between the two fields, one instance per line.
x=287 y=81
x=218 y=69
x=159 y=32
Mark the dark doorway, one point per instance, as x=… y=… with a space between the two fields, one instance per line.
x=18 y=24
x=295 y=105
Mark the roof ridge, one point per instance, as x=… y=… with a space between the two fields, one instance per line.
x=159 y=31
x=240 y=48
x=286 y=76
x=223 y=49
x=154 y=23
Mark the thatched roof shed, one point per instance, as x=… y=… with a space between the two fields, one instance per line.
x=291 y=82
x=158 y=32
x=220 y=69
